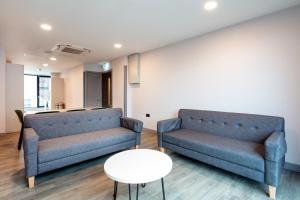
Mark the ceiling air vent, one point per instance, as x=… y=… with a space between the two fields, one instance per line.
x=70 y=49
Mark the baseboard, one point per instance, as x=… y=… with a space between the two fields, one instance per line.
x=12 y=132
x=292 y=167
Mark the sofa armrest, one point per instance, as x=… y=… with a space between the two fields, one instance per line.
x=165 y=126
x=132 y=124
x=275 y=146
x=31 y=140
x=30 y=146
x=168 y=125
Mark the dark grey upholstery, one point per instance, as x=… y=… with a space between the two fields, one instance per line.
x=253 y=146
x=54 y=125
x=30 y=147
x=168 y=125
x=253 y=128
x=133 y=125
x=247 y=154
x=226 y=165
x=275 y=146
x=44 y=167
x=61 y=147
x=56 y=140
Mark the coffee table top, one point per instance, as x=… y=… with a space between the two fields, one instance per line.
x=138 y=166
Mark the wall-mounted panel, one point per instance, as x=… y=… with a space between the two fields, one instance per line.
x=134 y=68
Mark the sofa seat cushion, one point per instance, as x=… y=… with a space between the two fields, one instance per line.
x=61 y=147
x=244 y=153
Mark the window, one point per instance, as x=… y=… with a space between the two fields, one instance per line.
x=30 y=91
x=43 y=91
x=36 y=91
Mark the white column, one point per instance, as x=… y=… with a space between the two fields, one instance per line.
x=117 y=66
x=57 y=89
x=2 y=90
x=14 y=100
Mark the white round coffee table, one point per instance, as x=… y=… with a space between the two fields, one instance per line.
x=138 y=166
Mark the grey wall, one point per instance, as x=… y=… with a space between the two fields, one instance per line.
x=92 y=89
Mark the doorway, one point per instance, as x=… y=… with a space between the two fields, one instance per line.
x=107 y=90
x=92 y=89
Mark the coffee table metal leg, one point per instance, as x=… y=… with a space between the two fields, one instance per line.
x=163 y=188
x=129 y=191
x=115 y=190
x=137 y=191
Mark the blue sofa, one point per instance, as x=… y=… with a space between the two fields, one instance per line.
x=252 y=146
x=55 y=140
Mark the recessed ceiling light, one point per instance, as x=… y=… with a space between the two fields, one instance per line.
x=45 y=65
x=46 y=27
x=118 y=46
x=210 y=5
x=53 y=58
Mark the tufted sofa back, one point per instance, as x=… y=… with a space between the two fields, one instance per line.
x=54 y=125
x=247 y=127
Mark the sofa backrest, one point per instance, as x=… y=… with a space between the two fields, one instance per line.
x=247 y=127
x=54 y=125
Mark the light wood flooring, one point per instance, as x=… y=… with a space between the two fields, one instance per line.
x=189 y=180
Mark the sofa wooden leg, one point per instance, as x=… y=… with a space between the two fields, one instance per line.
x=162 y=149
x=272 y=192
x=31 y=182
x=137 y=146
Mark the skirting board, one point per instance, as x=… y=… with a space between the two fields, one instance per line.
x=292 y=167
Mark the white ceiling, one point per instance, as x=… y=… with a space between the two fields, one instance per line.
x=140 y=25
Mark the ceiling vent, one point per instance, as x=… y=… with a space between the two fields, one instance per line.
x=70 y=49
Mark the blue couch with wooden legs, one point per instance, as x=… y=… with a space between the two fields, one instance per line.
x=252 y=146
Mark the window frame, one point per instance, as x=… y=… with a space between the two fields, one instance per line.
x=38 y=87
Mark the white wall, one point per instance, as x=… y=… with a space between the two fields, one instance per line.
x=117 y=66
x=253 y=67
x=57 y=90
x=73 y=89
x=2 y=90
x=92 y=67
x=14 y=96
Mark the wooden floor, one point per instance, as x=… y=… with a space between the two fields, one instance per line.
x=189 y=180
